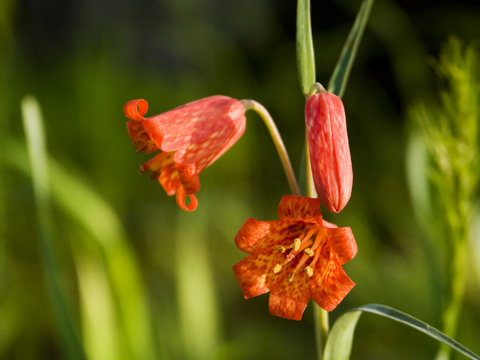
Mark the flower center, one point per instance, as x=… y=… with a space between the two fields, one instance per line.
x=306 y=248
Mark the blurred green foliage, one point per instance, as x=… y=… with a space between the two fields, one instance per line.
x=139 y=260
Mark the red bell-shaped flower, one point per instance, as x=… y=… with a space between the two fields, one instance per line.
x=189 y=137
x=329 y=149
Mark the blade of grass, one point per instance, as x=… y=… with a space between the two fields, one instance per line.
x=338 y=81
x=305 y=53
x=95 y=216
x=199 y=317
x=101 y=333
x=339 y=342
x=33 y=126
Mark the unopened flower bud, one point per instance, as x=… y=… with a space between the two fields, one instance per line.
x=329 y=150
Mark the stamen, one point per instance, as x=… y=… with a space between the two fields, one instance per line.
x=308 y=243
x=309 y=271
x=318 y=242
x=290 y=276
x=309 y=252
x=296 y=244
x=312 y=231
x=302 y=262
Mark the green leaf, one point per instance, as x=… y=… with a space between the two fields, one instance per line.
x=339 y=342
x=339 y=78
x=305 y=54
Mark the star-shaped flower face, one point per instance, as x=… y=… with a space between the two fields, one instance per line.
x=189 y=137
x=295 y=258
x=329 y=149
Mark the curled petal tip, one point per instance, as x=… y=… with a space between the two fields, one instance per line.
x=135 y=109
x=182 y=197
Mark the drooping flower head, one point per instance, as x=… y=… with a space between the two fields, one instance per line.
x=329 y=149
x=295 y=258
x=189 y=138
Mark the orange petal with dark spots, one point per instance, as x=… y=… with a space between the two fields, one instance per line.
x=330 y=284
x=343 y=243
x=256 y=236
x=299 y=208
x=250 y=233
x=289 y=305
x=251 y=274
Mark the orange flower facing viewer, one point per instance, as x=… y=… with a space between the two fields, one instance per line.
x=295 y=258
x=189 y=137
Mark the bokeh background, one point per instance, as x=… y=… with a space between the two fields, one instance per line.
x=145 y=280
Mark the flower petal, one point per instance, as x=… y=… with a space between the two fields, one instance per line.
x=330 y=284
x=188 y=176
x=328 y=225
x=163 y=168
x=343 y=243
x=290 y=302
x=205 y=152
x=251 y=274
x=299 y=208
x=255 y=235
x=182 y=200
x=250 y=232
x=196 y=121
x=140 y=139
x=135 y=109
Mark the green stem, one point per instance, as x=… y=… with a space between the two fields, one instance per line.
x=277 y=140
x=320 y=316
x=456 y=290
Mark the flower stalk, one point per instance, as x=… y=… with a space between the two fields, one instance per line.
x=320 y=316
x=277 y=140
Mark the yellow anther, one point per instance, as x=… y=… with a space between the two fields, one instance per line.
x=277 y=268
x=290 y=276
x=280 y=248
x=309 y=271
x=296 y=244
x=309 y=252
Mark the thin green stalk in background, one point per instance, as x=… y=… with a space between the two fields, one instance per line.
x=450 y=130
x=34 y=132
